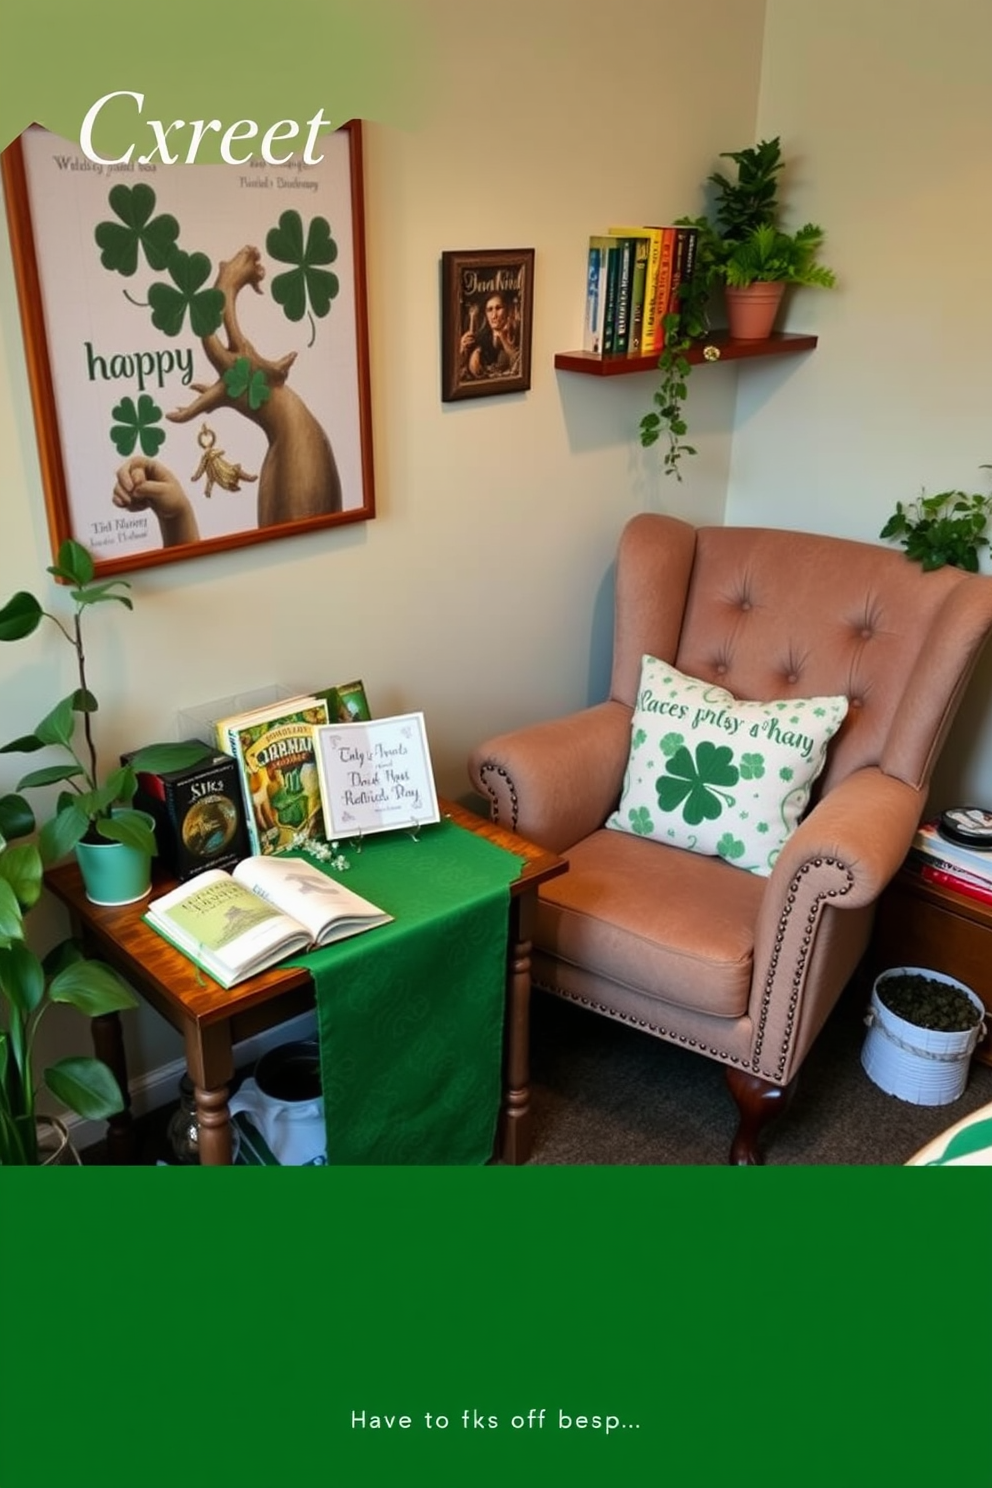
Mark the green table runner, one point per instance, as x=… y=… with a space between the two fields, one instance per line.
x=410 y=1015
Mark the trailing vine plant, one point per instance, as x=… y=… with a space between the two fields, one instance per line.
x=946 y=529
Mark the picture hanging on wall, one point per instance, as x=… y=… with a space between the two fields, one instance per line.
x=487 y=305
x=197 y=346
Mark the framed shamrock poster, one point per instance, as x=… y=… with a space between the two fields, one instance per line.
x=197 y=345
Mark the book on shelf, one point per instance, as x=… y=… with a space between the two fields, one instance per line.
x=625 y=282
x=610 y=311
x=683 y=266
x=234 y=925
x=648 y=323
x=929 y=845
x=663 y=285
x=274 y=749
x=961 y=883
x=597 y=268
x=638 y=287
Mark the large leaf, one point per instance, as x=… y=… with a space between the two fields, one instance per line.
x=73 y=564
x=131 y=828
x=50 y=775
x=21 y=977
x=11 y=917
x=16 y=817
x=19 y=617
x=92 y=987
x=86 y=1086
x=20 y=867
x=161 y=758
x=60 y=834
x=58 y=726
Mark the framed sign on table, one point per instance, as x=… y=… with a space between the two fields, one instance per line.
x=197 y=346
x=375 y=776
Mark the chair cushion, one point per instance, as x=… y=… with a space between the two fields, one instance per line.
x=717 y=775
x=667 y=923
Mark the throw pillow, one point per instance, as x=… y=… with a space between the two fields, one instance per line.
x=716 y=775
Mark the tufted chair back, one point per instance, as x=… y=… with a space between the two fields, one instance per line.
x=691 y=949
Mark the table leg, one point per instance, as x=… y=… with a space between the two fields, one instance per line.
x=214 y=1122
x=210 y=1061
x=515 y=1128
x=108 y=1045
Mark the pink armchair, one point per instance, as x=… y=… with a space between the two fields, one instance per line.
x=740 y=968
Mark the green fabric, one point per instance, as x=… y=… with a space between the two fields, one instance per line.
x=410 y=1015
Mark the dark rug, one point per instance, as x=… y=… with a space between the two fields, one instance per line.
x=604 y=1093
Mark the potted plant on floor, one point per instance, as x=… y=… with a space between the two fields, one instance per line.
x=743 y=247
x=95 y=810
x=29 y=987
x=923 y=1028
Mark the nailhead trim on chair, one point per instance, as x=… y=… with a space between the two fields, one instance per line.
x=655 y=1028
x=487 y=769
x=797 y=978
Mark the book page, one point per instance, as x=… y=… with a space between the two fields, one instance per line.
x=375 y=776
x=314 y=898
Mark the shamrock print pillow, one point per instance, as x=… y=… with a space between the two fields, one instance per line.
x=719 y=776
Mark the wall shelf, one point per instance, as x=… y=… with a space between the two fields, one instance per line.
x=779 y=343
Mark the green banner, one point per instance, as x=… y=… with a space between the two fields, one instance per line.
x=443 y=1328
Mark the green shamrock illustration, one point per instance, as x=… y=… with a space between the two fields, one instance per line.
x=697 y=782
x=640 y=821
x=135 y=426
x=188 y=272
x=305 y=281
x=730 y=847
x=134 y=206
x=241 y=379
x=752 y=766
x=670 y=743
x=786 y=773
x=640 y=737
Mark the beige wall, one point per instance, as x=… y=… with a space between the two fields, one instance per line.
x=480 y=593
x=886 y=118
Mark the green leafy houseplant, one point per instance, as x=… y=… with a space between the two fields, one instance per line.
x=92 y=808
x=29 y=986
x=742 y=243
x=945 y=529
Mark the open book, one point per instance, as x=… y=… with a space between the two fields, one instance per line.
x=237 y=924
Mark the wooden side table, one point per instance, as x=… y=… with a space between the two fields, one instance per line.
x=212 y=1020
x=924 y=924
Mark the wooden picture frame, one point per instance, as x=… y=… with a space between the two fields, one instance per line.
x=143 y=299
x=487 y=309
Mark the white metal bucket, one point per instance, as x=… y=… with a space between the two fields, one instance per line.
x=924 y=1066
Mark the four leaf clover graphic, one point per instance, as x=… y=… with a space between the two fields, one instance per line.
x=306 y=281
x=241 y=379
x=119 y=244
x=730 y=847
x=136 y=426
x=640 y=821
x=752 y=766
x=188 y=272
x=697 y=782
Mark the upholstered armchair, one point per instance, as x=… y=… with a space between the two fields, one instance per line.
x=739 y=966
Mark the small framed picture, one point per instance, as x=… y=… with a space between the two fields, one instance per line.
x=487 y=306
x=375 y=776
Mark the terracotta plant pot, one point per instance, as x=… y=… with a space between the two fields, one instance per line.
x=751 y=311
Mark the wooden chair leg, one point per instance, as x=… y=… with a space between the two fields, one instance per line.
x=758 y=1102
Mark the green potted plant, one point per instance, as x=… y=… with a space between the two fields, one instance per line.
x=93 y=809
x=742 y=247
x=29 y=987
x=944 y=529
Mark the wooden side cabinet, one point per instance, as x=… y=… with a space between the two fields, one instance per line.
x=928 y=925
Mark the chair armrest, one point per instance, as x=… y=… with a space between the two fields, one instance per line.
x=865 y=826
x=556 y=782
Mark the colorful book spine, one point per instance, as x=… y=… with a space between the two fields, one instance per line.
x=610 y=317
x=690 y=238
x=597 y=265
x=663 y=289
x=625 y=280
x=930 y=844
x=638 y=287
x=970 y=887
x=648 y=322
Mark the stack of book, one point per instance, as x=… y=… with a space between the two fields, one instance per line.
x=967 y=870
x=634 y=277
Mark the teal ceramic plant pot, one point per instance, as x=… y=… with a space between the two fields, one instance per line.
x=114 y=873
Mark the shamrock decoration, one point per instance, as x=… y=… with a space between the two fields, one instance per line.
x=696 y=782
x=730 y=847
x=640 y=821
x=306 y=281
x=752 y=766
x=135 y=426
x=134 y=205
x=206 y=306
x=241 y=379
